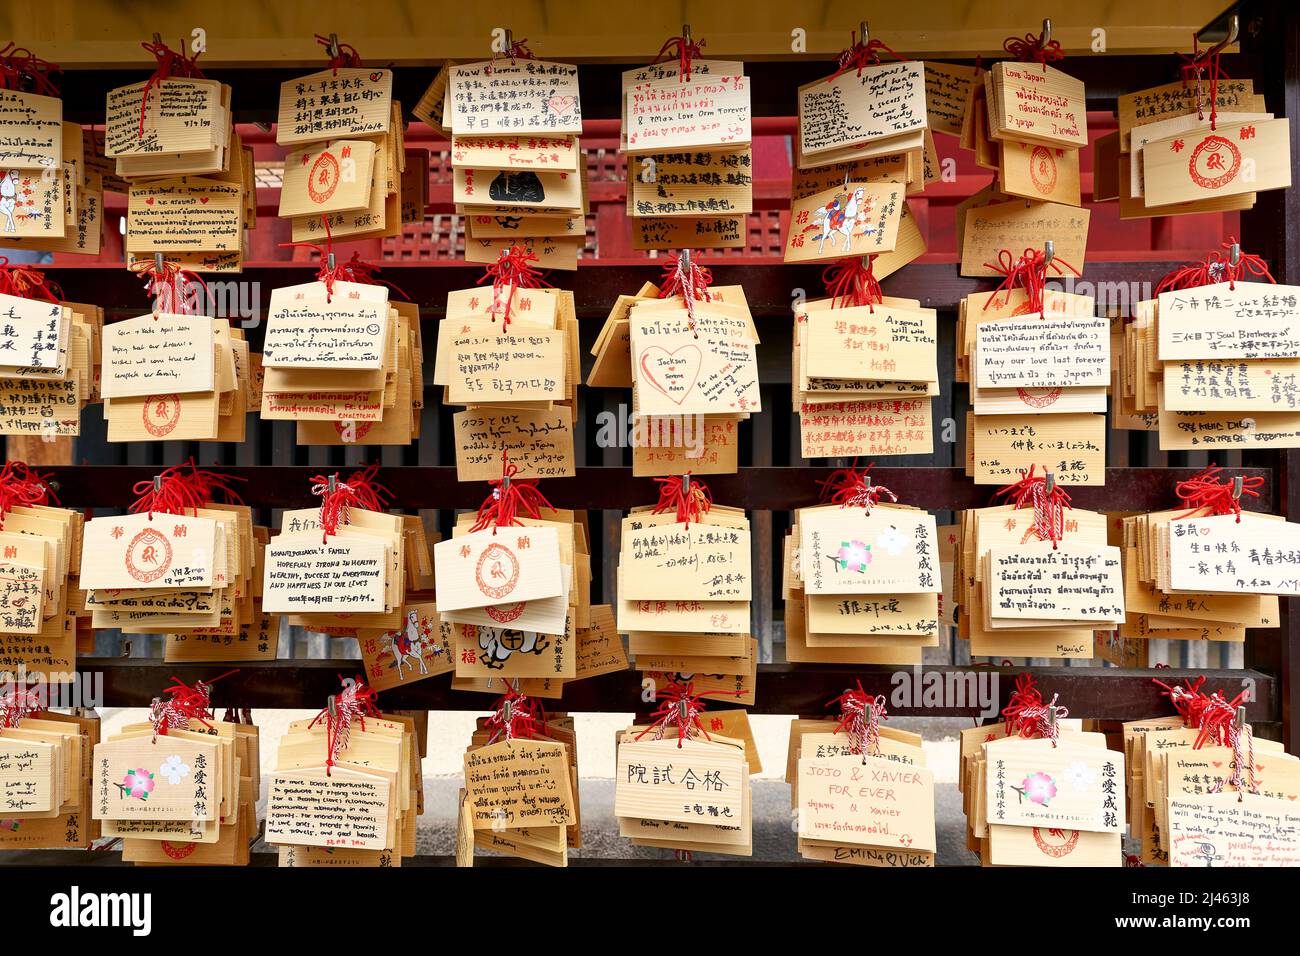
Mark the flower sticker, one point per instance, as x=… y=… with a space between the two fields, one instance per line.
x=891 y=541
x=1038 y=788
x=853 y=556
x=174 y=769
x=1079 y=776
x=138 y=783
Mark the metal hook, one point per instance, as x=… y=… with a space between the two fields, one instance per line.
x=157 y=484
x=157 y=39
x=686 y=34
x=1049 y=252
x=1051 y=718
x=862 y=32
x=332 y=48
x=686 y=484
x=331 y=706
x=158 y=266
x=1241 y=718
x=510 y=40
x=333 y=482
x=505 y=483
x=1234 y=26
x=514 y=684
x=1234 y=254
x=507 y=708
x=1047 y=31
x=685 y=260
x=683 y=709
x=1237 y=484
x=1049 y=482
x=329 y=261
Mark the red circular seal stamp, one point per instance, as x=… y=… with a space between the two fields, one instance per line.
x=323 y=178
x=1215 y=162
x=179 y=851
x=504 y=615
x=148 y=556
x=161 y=414
x=1056 y=843
x=1039 y=397
x=497 y=571
x=1042 y=169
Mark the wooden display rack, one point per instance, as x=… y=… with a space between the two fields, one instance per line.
x=421 y=476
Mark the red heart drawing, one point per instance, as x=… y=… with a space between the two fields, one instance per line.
x=376 y=76
x=1217 y=763
x=204 y=200
x=1205 y=530
x=673 y=376
x=905 y=839
x=561 y=104
x=149 y=201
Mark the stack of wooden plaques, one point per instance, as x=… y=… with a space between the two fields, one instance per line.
x=206 y=614
x=1178 y=589
x=506 y=623
x=861 y=585
x=344 y=362
x=343 y=175
x=673 y=443
x=692 y=363
x=350 y=802
x=688 y=794
x=38 y=735
x=521 y=792
x=1183 y=148
x=690 y=179
x=238 y=833
x=511 y=357
x=49 y=199
x=863 y=378
x=1180 y=774
x=34 y=182
x=515 y=595
x=877 y=110
x=348 y=576
x=684 y=591
x=872 y=809
x=1026 y=121
x=519 y=173
x=179 y=126
x=177 y=784
x=1024 y=595
x=1219 y=365
x=190 y=179
x=39 y=594
x=169 y=377
x=161 y=573
x=1038 y=378
x=48 y=353
x=1049 y=801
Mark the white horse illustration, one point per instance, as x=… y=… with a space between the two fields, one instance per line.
x=9 y=199
x=835 y=222
x=408 y=648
